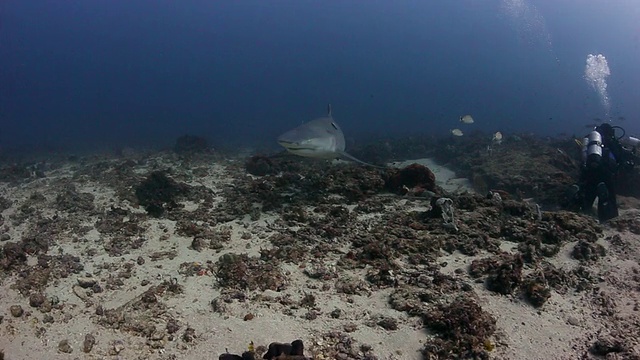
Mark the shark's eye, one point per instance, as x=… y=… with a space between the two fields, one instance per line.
x=334 y=126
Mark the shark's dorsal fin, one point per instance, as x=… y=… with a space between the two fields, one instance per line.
x=329 y=110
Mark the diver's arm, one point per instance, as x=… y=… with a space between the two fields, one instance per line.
x=625 y=158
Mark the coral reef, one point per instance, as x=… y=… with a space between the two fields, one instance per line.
x=159 y=192
x=260 y=165
x=311 y=244
x=415 y=178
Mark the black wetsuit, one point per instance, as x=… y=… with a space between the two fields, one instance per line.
x=597 y=178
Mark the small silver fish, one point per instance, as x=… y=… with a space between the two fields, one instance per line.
x=497 y=137
x=467 y=119
x=456 y=132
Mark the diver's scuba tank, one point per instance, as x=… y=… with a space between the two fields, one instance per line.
x=594 y=149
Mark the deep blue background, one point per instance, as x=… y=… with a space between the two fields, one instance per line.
x=127 y=72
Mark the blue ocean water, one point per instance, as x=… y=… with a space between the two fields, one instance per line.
x=79 y=73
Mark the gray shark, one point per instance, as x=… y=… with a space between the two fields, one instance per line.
x=319 y=138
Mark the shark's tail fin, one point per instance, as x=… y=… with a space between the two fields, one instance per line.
x=352 y=158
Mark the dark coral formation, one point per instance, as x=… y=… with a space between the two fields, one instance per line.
x=260 y=165
x=415 y=178
x=505 y=272
x=462 y=328
x=158 y=192
x=275 y=350
x=588 y=251
x=536 y=290
x=71 y=200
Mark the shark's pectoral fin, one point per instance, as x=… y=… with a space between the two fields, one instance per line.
x=345 y=155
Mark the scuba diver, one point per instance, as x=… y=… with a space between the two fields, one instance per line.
x=603 y=158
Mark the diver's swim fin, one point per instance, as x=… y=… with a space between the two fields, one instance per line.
x=607 y=206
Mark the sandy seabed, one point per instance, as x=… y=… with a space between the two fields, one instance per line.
x=96 y=277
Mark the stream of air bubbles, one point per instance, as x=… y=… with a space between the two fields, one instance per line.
x=596 y=72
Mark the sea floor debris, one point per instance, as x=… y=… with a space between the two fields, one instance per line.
x=171 y=256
